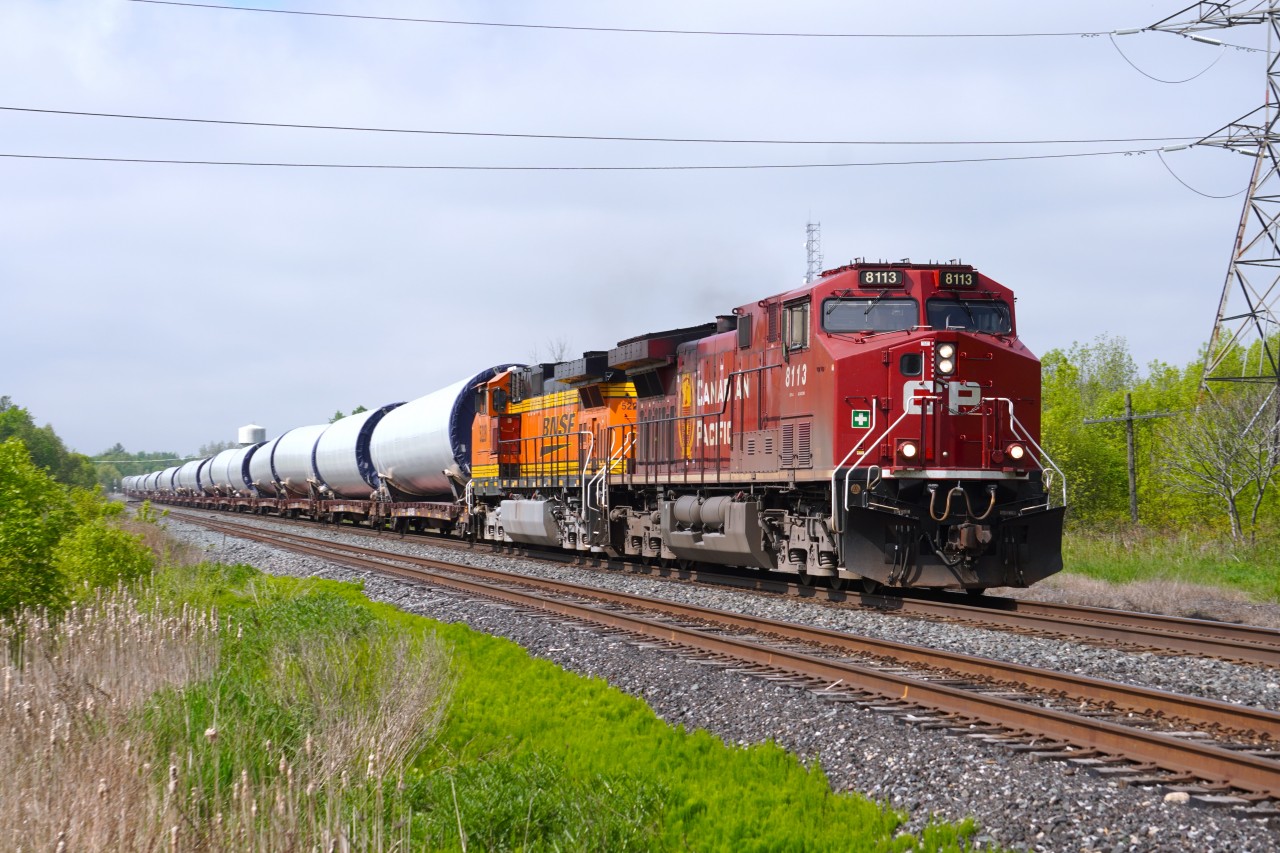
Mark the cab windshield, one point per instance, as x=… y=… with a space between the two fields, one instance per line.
x=868 y=314
x=971 y=315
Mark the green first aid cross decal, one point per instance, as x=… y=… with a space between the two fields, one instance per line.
x=861 y=418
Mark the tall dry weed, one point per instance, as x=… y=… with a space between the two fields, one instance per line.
x=79 y=772
x=73 y=772
x=169 y=550
x=370 y=709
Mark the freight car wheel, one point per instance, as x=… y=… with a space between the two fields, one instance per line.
x=804 y=579
x=870 y=586
x=838 y=583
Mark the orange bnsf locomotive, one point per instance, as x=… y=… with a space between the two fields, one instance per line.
x=879 y=425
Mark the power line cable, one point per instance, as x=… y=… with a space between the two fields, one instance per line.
x=1222 y=51
x=493 y=168
x=592 y=137
x=639 y=30
x=1169 y=169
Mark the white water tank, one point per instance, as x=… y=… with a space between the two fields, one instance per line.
x=252 y=434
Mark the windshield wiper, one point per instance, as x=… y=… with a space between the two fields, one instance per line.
x=873 y=302
x=839 y=297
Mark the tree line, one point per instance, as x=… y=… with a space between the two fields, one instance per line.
x=1203 y=459
x=44 y=447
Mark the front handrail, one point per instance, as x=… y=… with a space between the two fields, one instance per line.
x=835 y=498
x=586 y=463
x=597 y=481
x=1022 y=432
x=848 y=475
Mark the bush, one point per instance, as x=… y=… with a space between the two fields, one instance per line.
x=37 y=511
x=95 y=555
x=57 y=542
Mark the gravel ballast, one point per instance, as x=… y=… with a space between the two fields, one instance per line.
x=1017 y=801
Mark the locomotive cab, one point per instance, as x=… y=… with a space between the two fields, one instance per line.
x=940 y=480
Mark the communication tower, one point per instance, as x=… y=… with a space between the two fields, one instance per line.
x=1246 y=323
x=813 y=248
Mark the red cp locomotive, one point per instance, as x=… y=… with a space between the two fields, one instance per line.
x=880 y=424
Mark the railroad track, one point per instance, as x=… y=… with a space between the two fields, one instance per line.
x=1136 y=734
x=1176 y=635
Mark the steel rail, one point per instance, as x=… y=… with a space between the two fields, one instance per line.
x=1205 y=761
x=1171 y=634
x=1230 y=631
x=1249 y=644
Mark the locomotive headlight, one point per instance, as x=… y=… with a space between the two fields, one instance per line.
x=908 y=450
x=1016 y=452
x=944 y=359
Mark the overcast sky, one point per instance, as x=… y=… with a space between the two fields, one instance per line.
x=163 y=306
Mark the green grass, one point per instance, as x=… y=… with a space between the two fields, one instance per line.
x=527 y=756
x=688 y=790
x=1134 y=555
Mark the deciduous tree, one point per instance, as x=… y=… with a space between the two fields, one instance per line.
x=1227 y=450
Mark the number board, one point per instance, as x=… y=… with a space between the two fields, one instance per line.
x=957 y=278
x=880 y=278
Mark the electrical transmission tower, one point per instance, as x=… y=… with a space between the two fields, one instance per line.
x=813 y=248
x=1245 y=344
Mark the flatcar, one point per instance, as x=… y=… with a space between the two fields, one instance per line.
x=879 y=425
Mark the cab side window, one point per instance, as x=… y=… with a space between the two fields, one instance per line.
x=796 y=325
